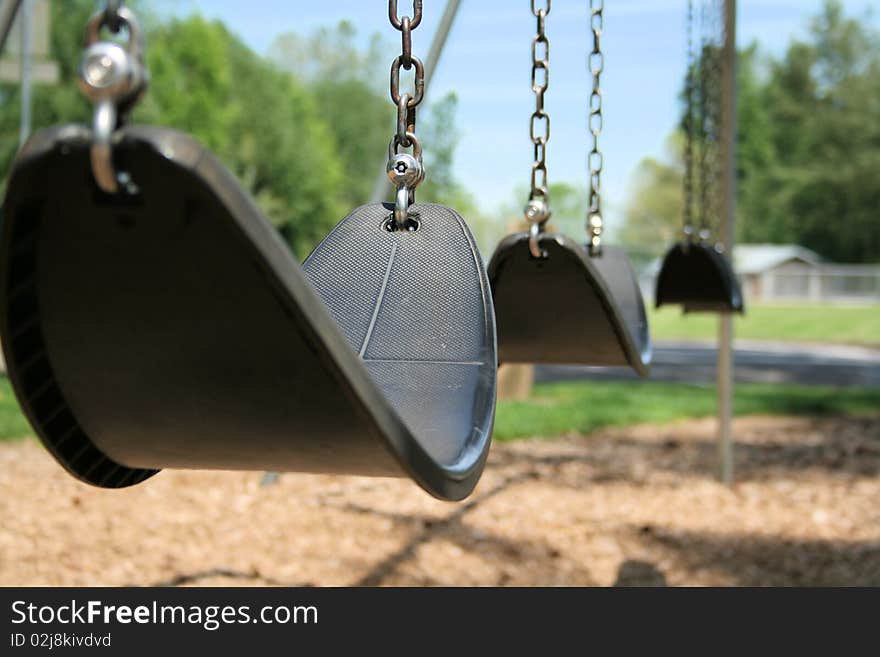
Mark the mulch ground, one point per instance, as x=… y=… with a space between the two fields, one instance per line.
x=636 y=506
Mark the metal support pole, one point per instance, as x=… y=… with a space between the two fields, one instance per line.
x=8 y=11
x=725 y=337
x=27 y=56
x=725 y=399
x=382 y=188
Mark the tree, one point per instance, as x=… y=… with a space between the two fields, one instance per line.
x=760 y=217
x=350 y=87
x=262 y=124
x=653 y=214
x=808 y=147
x=344 y=83
x=306 y=133
x=818 y=187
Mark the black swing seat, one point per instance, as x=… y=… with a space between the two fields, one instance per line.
x=697 y=276
x=568 y=308
x=169 y=326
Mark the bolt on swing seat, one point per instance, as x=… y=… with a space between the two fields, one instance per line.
x=169 y=327
x=698 y=276
x=568 y=307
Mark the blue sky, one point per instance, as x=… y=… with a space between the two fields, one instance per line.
x=487 y=63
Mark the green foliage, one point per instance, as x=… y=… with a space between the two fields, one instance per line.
x=653 y=215
x=260 y=121
x=350 y=89
x=332 y=53
x=343 y=82
x=440 y=132
x=581 y=407
x=306 y=135
x=569 y=205
x=262 y=124
x=817 y=183
x=808 y=148
x=12 y=421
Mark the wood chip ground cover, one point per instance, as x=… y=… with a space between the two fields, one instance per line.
x=636 y=506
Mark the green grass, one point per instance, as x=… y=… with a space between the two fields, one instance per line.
x=581 y=407
x=12 y=422
x=564 y=408
x=859 y=325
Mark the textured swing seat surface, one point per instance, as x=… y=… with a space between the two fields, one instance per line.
x=170 y=327
x=568 y=308
x=699 y=278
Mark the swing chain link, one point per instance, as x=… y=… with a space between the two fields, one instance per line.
x=703 y=121
x=706 y=121
x=537 y=210
x=595 y=160
x=113 y=77
x=397 y=21
x=112 y=19
x=405 y=171
x=689 y=130
x=710 y=116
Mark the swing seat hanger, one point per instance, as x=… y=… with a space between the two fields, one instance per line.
x=113 y=78
x=165 y=324
x=695 y=272
x=589 y=292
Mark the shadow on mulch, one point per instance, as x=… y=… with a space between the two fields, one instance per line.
x=767 y=561
x=855 y=452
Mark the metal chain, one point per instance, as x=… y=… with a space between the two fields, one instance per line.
x=539 y=125
x=595 y=64
x=405 y=171
x=689 y=127
x=709 y=116
x=111 y=15
x=714 y=108
x=537 y=210
x=703 y=108
x=406 y=111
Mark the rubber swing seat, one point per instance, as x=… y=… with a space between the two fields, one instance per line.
x=169 y=326
x=698 y=277
x=568 y=308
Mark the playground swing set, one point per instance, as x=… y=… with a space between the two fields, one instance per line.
x=152 y=318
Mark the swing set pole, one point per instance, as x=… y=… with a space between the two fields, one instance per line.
x=725 y=337
x=382 y=188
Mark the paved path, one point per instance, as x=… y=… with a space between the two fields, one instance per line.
x=756 y=362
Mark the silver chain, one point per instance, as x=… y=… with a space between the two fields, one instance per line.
x=689 y=128
x=704 y=129
x=709 y=115
x=112 y=19
x=537 y=210
x=715 y=165
x=405 y=171
x=595 y=160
